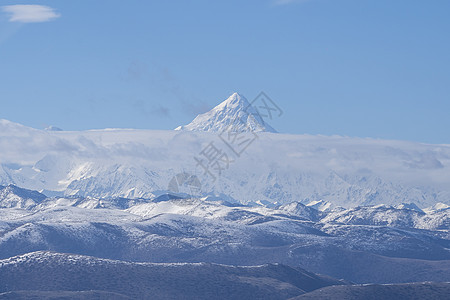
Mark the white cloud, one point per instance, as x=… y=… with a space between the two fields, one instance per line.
x=30 y=13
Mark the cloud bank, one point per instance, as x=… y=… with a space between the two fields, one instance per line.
x=30 y=13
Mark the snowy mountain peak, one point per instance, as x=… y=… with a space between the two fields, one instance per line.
x=236 y=100
x=234 y=114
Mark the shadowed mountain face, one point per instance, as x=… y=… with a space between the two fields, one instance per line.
x=62 y=295
x=47 y=275
x=47 y=271
x=413 y=291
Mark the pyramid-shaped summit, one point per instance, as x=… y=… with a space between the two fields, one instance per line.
x=234 y=114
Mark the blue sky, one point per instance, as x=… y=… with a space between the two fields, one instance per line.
x=377 y=68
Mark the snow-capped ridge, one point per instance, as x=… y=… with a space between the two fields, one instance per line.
x=411 y=206
x=437 y=207
x=320 y=205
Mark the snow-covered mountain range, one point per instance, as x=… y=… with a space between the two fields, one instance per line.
x=167 y=228
x=222 y=192
x=250 y=167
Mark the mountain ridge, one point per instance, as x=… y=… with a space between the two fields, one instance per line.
x=52 y=271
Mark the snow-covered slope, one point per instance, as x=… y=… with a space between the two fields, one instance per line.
x=234 y=114
x=275 y=168
x=14 y=197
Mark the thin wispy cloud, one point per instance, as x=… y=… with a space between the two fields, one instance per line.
x=30 y=13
